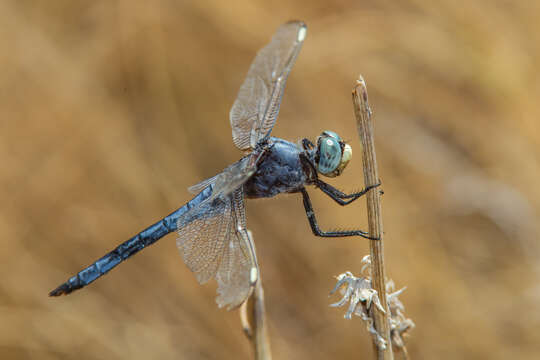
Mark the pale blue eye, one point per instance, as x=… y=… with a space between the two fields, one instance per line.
x=329 y=153
x=329 y=133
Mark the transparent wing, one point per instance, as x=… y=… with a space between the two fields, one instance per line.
x=229 y=179
x=238 y=271
x=255 y=110
x=213 y=244
x=203 y=233
x=197 y=188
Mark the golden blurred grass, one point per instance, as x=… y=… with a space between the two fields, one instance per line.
x=110 y=110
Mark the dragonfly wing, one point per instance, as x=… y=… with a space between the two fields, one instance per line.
x=203 y=233
x=256 y=108
x=197 y=188
x=238 y=270
x=211 y=244
x=230 y=179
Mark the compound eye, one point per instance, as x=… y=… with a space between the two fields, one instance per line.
x=332 y=134
x=329 y=155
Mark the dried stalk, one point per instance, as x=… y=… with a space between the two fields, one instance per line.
x=371 y=177
x=253 y=318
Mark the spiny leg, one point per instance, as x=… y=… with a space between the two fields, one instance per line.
x=338 y=196
x=307 y=144
x=315 y=227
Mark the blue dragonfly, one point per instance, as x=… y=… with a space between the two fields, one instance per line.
x=213 y=238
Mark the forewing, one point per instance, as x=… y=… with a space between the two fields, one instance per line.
x=256 y=108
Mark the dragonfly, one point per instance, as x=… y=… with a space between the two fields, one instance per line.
x=212 y=235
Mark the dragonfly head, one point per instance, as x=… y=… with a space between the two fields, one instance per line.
x=332 y=154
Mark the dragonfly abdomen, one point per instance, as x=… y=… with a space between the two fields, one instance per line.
x=129 y=248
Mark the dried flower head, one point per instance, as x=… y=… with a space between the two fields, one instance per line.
x=358 y=292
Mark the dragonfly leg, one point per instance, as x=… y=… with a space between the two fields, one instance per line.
x=315 y=227
x=339 y=196
x=307 y=144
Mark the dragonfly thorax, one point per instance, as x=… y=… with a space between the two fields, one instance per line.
x=332 y=154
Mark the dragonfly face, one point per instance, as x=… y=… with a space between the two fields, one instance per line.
x=332 y=154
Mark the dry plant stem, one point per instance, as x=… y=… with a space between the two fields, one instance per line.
x=260 y=340
x=245 y=319
x=371 y=177
x=400 y=347
x=253 y=318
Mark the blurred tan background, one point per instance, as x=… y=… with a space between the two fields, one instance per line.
x=109 y=110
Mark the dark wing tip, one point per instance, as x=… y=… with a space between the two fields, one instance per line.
x=63 y=289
